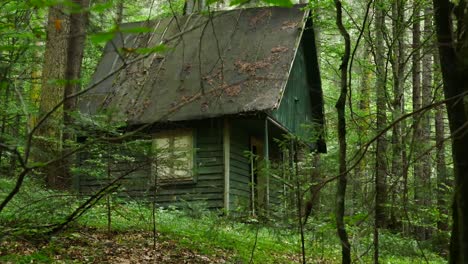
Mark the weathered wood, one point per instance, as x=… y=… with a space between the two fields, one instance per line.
x=227 y=159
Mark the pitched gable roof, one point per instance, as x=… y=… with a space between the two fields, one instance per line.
x=228 y=62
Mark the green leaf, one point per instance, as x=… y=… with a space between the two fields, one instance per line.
x=37 y=164
x=135 y=30
x=102 y=37
x=238 y=2
x=210 y=2
x=101 y=7
x=284 y=3
x=155 y=49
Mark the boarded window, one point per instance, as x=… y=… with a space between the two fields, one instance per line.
x=173 y=159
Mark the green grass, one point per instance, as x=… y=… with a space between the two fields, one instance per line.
x=35 y=207
x=207 y=234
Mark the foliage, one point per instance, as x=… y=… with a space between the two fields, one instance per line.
x=208 y=233
x=36 y=210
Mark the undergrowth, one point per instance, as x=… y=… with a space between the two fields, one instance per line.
x=35 y=209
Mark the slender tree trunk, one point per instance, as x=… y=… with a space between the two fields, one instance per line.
x=381 y=163
x=119 y=12
x=193 y=6
x=426 y=122
x=340 y=107
x=417 y=133
x=398 y=71
x=454 y=65
x=381 y=148
x=360 y=171
x=75 y=50
x=443 y=184
x=5 y=84
x=442 y=179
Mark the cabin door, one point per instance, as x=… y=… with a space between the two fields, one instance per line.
x=257 y=179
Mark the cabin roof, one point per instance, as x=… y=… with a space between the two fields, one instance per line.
x=229 y=62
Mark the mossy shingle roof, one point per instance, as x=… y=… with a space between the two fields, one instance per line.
x=228 y=62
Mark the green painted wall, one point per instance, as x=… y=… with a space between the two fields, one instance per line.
x=209 y=168
x=295 y=108
x=209 y=173
x=239 y=166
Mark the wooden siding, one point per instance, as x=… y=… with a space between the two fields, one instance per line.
x=240 y=167
x=208 y=180
x=295 y=109
x=208 y=185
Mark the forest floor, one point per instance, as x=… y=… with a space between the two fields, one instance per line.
x=93 y=246
x=188 y=234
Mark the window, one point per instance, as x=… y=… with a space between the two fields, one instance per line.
x=173 y=159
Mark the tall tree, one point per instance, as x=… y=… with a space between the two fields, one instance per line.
x=426 y=99
x=340 y=108
x=398 y=72
x=61 y=71
x=48 y=134
x=381 y=148
x=416 y=84
x=452 y=35
x=443 y=183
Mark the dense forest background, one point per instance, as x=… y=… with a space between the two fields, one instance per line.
x=392 y=185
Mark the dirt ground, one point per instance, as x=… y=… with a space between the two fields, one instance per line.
x=91 y=246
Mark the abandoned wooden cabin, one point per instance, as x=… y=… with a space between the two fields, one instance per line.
x=213 y=87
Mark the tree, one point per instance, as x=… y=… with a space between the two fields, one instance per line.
x=443 y=184
x=340 y=108
x=381 y=148
x=60 y=79
x=425 y=123
x=398 y=107
x=451 y=26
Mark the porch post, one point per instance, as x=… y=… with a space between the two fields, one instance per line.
x=267 y=166
x=227 y=157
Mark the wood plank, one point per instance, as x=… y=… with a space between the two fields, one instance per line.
x=209 y=177
x=205 y=148
x=240 y=171
x=210 y=170
x=209 y=154
x=244 y=167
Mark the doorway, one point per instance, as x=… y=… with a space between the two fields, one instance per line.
x=257 y=179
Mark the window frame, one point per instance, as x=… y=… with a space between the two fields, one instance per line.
x=172 y=134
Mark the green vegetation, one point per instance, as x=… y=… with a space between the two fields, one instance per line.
x=406 y=167
x=35 y=210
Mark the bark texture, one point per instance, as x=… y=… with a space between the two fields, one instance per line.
x=398 y=71
x=340 y=107
x=61 y=72
x=453 y=53
x=381 y=148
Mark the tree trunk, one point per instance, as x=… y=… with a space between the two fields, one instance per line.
x=441 y=167
x=381 y=148
x=340 y=107
x=425 y=190
x=454 y=65
x=61 y=72
x=417 y=133
x=361 y=171
x=398 y=71
x=442 y=179
x=193 y=6
x=119 y=12
x=75 y=50
x=49 y=135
